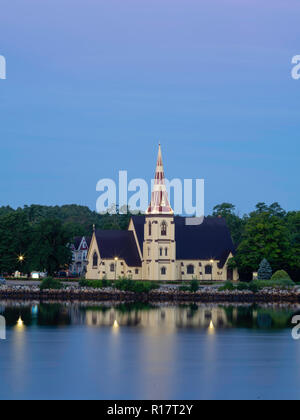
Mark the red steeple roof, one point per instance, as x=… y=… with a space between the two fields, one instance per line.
x=159 y=197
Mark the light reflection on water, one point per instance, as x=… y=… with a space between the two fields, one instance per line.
x=100 y=351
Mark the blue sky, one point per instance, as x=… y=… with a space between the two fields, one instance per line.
x=93 y=86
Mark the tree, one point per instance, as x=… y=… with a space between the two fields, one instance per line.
x=234 y=222
x=265 y=270
x=265 y=236
x=51 y=246
x=15 y=240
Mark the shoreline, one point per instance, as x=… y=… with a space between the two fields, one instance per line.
x=163 y=296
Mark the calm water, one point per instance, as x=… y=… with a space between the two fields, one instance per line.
x=148 y=352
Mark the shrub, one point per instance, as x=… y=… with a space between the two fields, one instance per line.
x=194 y=286
x=280 y=275
x=128 y=285
x=243 y=286
x=227 y=286
x=265 y=270
x=50 y=283
x=95 y=284
x=184 y=289
x=83 y=283
x=253 y=287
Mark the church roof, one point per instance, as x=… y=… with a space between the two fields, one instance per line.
x=118 y=243
x=210 y=240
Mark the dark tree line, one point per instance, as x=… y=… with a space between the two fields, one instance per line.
x=42 y=234
x=268 y=232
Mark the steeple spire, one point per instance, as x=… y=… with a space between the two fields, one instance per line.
x=159 y=197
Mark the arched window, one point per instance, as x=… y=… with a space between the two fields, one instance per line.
x=163 y=271
x=164 y=229
x=112 y=268
x=95 y=260
x=190 y=269
x=160 y=252
x=166 y=252
x=150 y=228
x=208 y=269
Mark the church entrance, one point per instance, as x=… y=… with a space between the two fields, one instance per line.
x=229 y=274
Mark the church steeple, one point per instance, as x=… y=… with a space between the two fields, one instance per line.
x=159 y=197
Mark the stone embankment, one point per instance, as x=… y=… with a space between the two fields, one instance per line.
x=206 y=294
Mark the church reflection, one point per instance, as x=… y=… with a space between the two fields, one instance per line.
x=140 y=315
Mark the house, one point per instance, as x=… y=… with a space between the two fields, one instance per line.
x=161 y=246
x=79 y=250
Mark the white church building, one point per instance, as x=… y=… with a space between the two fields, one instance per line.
x=161 y=246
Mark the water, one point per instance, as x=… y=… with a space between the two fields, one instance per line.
x=72 y=351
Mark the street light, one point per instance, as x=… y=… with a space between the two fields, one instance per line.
x=21 y=258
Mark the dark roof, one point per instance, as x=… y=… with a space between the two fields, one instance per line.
x=78 y=239
x=139 y=222
x=118 y=243
x=77 y=242
x=210 y=240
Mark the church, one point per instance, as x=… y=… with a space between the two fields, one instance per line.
x=160 y=246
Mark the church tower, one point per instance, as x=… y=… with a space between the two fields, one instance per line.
x=159 y=248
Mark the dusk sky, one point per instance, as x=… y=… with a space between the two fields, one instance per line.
x=93 y=86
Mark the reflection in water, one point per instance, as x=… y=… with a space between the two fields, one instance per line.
x=142 y=351
x=165 y=317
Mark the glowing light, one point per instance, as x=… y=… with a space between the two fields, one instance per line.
x=116 y=259
x=20 y=323
x=116 y=325
x=211 y=328
x=21 y=258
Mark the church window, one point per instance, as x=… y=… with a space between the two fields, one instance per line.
x=166 y=252
x=112 y=268
x=160 y=252
x=150 y=228
x=208 y=269
x=190 y=269
x=95 y=260
x=163 y=271
x=164 y=229
x=149 y=252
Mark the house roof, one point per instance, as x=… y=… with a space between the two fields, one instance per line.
x=210 y=240
x=78 y=239
x=118 y=243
